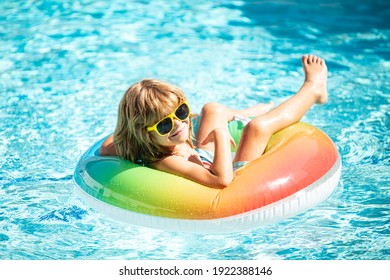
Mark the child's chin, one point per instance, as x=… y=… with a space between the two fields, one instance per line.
x=182 y=137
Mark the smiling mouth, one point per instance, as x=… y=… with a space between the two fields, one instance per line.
x=180 y=130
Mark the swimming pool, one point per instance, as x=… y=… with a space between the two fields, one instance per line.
x=64 y=65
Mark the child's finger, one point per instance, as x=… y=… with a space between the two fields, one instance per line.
x=232 y=141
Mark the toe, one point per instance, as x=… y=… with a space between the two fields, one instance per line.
x=305 y=59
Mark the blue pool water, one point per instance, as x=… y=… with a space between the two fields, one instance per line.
x=65 y=64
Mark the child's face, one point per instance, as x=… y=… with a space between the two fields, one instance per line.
x=178 y=135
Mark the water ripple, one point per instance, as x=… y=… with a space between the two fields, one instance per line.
x=65 y=214
x=64 y=65
x=366 y=141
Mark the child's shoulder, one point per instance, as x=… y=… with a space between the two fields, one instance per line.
x=108 y=147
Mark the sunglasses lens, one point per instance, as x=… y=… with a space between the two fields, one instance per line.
x=182 y=112
x=165 y=126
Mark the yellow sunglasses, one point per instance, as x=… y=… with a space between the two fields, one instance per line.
x=165 y=125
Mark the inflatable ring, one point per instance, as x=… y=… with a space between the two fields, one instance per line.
x=299 y=169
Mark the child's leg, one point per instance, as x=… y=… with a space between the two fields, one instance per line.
x=215 y=115
x=257 y=133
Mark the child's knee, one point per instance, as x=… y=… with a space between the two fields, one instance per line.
x=213 y=107
x=256 y=127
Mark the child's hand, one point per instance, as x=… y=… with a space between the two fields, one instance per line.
x=232 y=140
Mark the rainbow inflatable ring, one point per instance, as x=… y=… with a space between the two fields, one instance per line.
x=299 y=169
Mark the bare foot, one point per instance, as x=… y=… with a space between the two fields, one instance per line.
x=257 y=110
x=316 y=74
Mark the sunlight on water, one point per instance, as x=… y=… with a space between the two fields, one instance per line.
x=64 y=66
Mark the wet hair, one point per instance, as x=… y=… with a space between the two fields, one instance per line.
x=144 y=104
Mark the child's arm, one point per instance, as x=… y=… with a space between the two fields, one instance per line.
x=108 y=147
x=222 y=163
x=192 y=171
x=221 y=173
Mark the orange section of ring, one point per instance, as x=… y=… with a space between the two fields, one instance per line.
x=295 y=158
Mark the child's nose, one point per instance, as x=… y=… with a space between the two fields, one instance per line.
x=176 y=122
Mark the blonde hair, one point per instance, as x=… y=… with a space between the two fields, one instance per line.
x=144 y=104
